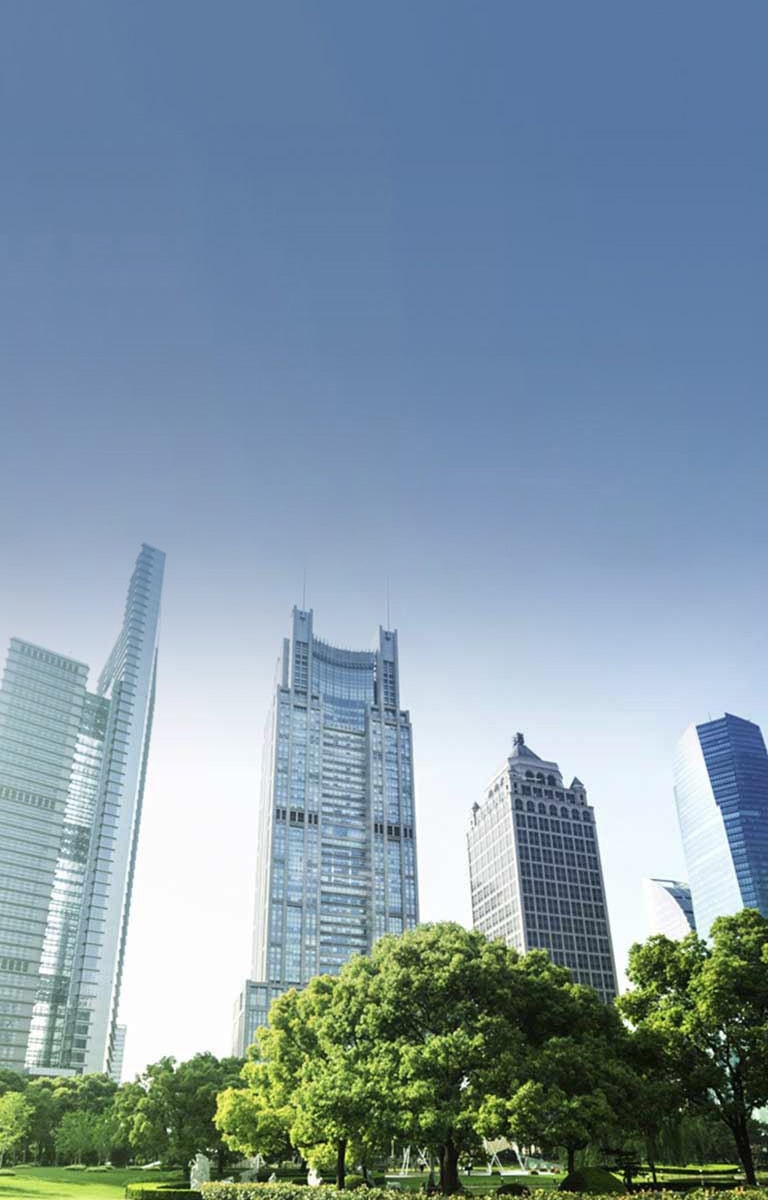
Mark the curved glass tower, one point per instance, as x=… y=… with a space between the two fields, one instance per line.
x=721 y=792
x=668 y=907
x=336 y=845
x=72 y=768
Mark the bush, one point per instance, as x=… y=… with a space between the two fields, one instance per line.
x=160 y=1191
x=513 y=1189
x=354 y=1181
x=596 y=1181
x=280 y=1191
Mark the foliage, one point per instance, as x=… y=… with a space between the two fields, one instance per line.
x=160 y=1191
x=596 y=1181
x=167 y=1113
x=709 y=1005
x=15 y=1118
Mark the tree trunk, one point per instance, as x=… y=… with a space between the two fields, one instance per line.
x=744 y=1148
x=571 y=1150
x=341 y=1155
x=449 y=1168
x=652 y=1165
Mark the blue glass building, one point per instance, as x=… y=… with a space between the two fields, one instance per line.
x=721 y=792
x=336 y=863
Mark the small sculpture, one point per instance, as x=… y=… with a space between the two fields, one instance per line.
x=199 y=1170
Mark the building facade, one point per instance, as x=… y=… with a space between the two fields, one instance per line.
x=72 y=769
x=336 y=862
x=535 y=873
x=668 y=907
x=721 y=793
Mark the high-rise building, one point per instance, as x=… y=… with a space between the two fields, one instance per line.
x=668 y=907
x=721 y=792
x=72 y=770
x=118 y=1054
x=534 y=867
x=336 y=851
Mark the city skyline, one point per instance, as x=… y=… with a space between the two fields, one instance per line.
x=463 y=304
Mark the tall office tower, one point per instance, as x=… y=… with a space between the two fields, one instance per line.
x=72 y=770
x=118 y=1054
x=721 y=792
x=337 y=843
x=668 y=907
x=534 y=868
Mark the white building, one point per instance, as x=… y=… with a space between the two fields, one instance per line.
x=668 y=907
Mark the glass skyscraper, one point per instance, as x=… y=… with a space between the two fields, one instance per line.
x=534 y=867
x=72 y=769
x=668 y=907
x=721 y=792
x=336 y=862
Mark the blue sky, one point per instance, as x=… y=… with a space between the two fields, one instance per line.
x=470 y=298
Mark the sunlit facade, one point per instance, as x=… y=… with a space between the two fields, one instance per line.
x=534 y=864
x=721 y=792
x=72 y=767
x=668 y=907
x=337 y=842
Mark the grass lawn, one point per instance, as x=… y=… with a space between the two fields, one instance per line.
x=478 y=1184
x=50 y=1183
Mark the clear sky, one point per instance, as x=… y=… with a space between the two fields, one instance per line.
x=466 y=297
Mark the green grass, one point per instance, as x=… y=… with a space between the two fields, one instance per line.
x=54 y=1183
x=479 y=1184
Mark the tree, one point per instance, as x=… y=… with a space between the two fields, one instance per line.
x=449 y=1019
x=309 y=1088
x=15 y=1116
x=709 y=1004
x=76 y=1135
x=168 y=1112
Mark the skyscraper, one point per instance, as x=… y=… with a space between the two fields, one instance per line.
x=721 y=792
x=336 y=862
x=668 y=907
x=534 y=868
x=72 y=770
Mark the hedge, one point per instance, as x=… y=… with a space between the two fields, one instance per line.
x=286 y=1191
x=160 y=1191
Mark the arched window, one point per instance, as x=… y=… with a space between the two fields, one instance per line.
x=551 y=780
x=529 y=774
x=543 y=809
x=540 y=777
x=553 y=810
x=518 y=803
x=530 y=806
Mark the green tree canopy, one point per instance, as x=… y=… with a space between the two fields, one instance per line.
x=708 y=1002
x=15 y=1117
x=167 y=1113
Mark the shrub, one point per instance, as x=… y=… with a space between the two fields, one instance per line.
x=160 y=1191
x=354 y=1181
x=513 y=1189
x=279 y=1191
x=596 y=1181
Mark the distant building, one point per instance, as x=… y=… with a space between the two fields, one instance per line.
x=118 y=1054
x=336 y=864
x=535 y=873
x=668 y=907
x=721 y=792
x=72 y=769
